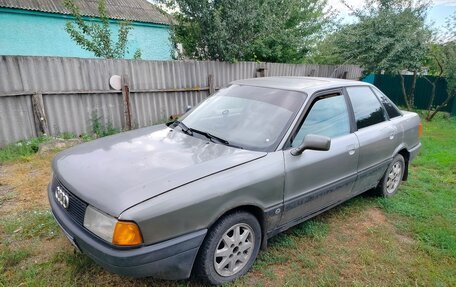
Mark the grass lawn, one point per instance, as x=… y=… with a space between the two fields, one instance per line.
x=407 y=240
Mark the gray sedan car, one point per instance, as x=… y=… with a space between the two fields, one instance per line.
x=204 y=193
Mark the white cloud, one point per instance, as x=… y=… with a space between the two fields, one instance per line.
x=338 y=5
x=444 y=3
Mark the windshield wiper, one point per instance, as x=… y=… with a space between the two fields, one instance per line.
x=213 y=138
x=183 y=127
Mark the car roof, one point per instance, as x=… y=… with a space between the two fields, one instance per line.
x=302 y=84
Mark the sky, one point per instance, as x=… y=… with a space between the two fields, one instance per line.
x=440 y=10
x=438 y=14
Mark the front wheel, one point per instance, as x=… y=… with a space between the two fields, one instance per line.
x=230 y=248
x=392 y=179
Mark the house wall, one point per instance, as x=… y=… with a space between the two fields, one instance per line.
x=31 y=33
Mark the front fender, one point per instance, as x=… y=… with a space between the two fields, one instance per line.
x=199 y=204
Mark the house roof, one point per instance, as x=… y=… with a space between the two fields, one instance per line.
x=130 y=10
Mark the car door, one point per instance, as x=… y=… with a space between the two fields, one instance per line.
x=318 y=179
x=378 y=137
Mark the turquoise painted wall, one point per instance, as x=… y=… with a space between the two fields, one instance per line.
x=31 y=33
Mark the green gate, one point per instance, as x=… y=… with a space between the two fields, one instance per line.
x=391 y=86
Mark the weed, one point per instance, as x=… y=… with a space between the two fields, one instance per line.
x=22 y=149
x=68 y=135
x=99 y=129
x=86 y=137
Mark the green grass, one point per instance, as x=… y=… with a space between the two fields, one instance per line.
x=21 y=149
x=37 y=224
x=312 y=228
x=11 y=257
x=427 y=202
x=25 y=148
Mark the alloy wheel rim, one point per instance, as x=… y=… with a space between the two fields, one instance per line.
x=394 y=177
x=234 y=250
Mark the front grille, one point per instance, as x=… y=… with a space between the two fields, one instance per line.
x=76 y=208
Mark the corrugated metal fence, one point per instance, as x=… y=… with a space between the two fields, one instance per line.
x=74 y=90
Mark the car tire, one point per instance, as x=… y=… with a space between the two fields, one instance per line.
x=392 y=179
x=229 y=249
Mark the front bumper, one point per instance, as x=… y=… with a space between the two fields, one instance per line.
x=172 y=259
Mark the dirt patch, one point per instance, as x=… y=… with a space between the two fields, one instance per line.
x=376 y=215
x=26 y=181
x=59 y=144
x=49 y=247
x=405 y=239
x=363 y=241
x=7 y=195
x=358 y=242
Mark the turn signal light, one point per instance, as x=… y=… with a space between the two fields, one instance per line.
x=420 y=129
x=126 y=234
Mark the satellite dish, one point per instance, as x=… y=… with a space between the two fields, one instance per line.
x=115 y=82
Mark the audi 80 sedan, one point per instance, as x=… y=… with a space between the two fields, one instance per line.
x=202 y=194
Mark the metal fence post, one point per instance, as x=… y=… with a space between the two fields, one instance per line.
x=453 y=110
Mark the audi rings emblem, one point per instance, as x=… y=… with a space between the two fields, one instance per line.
x=62 y=197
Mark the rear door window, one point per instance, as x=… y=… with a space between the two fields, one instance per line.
x=390 y=107
x=367 y=108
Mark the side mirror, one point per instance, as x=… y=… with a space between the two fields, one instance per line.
x=312 y=142
x=188 y=108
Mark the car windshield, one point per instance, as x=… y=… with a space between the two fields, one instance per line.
x=248 y=117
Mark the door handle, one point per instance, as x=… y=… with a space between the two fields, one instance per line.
x=351 y=149
x=392 y=134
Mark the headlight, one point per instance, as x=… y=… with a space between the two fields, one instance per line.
x=123 y=233
x=99 y=223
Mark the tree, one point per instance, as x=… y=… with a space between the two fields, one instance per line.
x=326 y=51
x=245 y=30
x=96 y=37
x=389 y=37
x=442 y=62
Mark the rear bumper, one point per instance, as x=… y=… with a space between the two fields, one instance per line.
x=171 y=260
x=414 y=151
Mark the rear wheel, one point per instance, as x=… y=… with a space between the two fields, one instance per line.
x=230 y=248
x=392 y=179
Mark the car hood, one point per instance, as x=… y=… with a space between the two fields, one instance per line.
x=117 y=172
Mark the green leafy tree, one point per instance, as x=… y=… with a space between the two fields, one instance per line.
x=246 y=30
x=96 y=37
x=442 y=63
x=327 y=51
x=389 y=37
